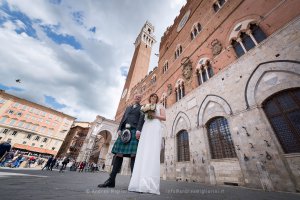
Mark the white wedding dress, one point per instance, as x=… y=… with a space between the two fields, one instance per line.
x=146 y=172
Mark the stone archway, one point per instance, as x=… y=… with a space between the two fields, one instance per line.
x=269 y=78
x=181 y=121
x=212 y=106
x=100 y=147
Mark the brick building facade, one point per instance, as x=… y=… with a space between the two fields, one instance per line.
x=228 y=75
x=74 y=140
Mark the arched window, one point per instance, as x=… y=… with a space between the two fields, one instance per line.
x=210 y=70
x=218 y=5
x=154 y=78
x=192 y=35
x=257 y=33
x=195 y=30
x=247 y=41
x=165 y=67
x=199 y=28
x=164 y=100
x=220 y=142
x=162 y=151
x=204 y=70
x=183 y=149
x=222 y=2
x=245 y=36
x=237 y=48
x=179 y=90
x=144 y=88
x=283 y=112
x=204 y=75
x=178 y=51
x=199 y=78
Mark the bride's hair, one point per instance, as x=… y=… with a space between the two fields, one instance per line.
x=153 y=95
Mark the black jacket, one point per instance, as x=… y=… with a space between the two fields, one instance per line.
x=53 y=162
x=134 y=117
x=4 y=147
x=49 y=161
x=66 y=161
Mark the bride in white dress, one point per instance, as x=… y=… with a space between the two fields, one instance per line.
x=146 y=172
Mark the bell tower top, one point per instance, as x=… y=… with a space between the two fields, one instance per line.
x=146 y=35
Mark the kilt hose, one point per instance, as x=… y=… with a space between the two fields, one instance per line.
x=127 y=149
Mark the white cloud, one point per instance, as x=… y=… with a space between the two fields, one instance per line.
x=88 y=81
x=39 y=9
x=9 y=25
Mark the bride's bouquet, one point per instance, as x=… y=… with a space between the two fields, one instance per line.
x=149 y=110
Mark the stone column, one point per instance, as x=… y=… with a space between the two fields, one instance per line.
x=239 y=40
x=249 y=32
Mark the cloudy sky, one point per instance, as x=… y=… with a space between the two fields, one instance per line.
x=73 y=55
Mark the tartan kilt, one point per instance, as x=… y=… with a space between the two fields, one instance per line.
x=126 y=149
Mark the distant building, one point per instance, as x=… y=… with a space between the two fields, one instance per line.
x=32 y=127
x=97 y=142
x=74 y=140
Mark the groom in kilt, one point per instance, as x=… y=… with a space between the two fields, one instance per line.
x=132 y=120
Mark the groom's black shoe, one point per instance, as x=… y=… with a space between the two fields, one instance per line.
x=108 y=183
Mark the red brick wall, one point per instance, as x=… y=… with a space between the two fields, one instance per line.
x=271 y=15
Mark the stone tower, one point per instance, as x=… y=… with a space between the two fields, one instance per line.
x=139 y=65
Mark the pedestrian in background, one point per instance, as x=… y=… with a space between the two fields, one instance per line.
x=8 y=157
x=31 y=160
x=48 y=163
x=64 y=164
x=17 y=161
x=4 y=148
x=53 y=163
x=57 y=163
x=82 y=166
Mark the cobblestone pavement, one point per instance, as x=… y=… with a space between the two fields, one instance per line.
x=36 y=184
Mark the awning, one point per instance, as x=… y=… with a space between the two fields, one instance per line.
x=34 y=149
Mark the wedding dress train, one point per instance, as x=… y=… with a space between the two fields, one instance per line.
x=146 y=172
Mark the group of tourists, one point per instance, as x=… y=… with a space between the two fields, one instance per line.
x=13 y=158
x=88 y=167
x=74 y=166
x=16 y=158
